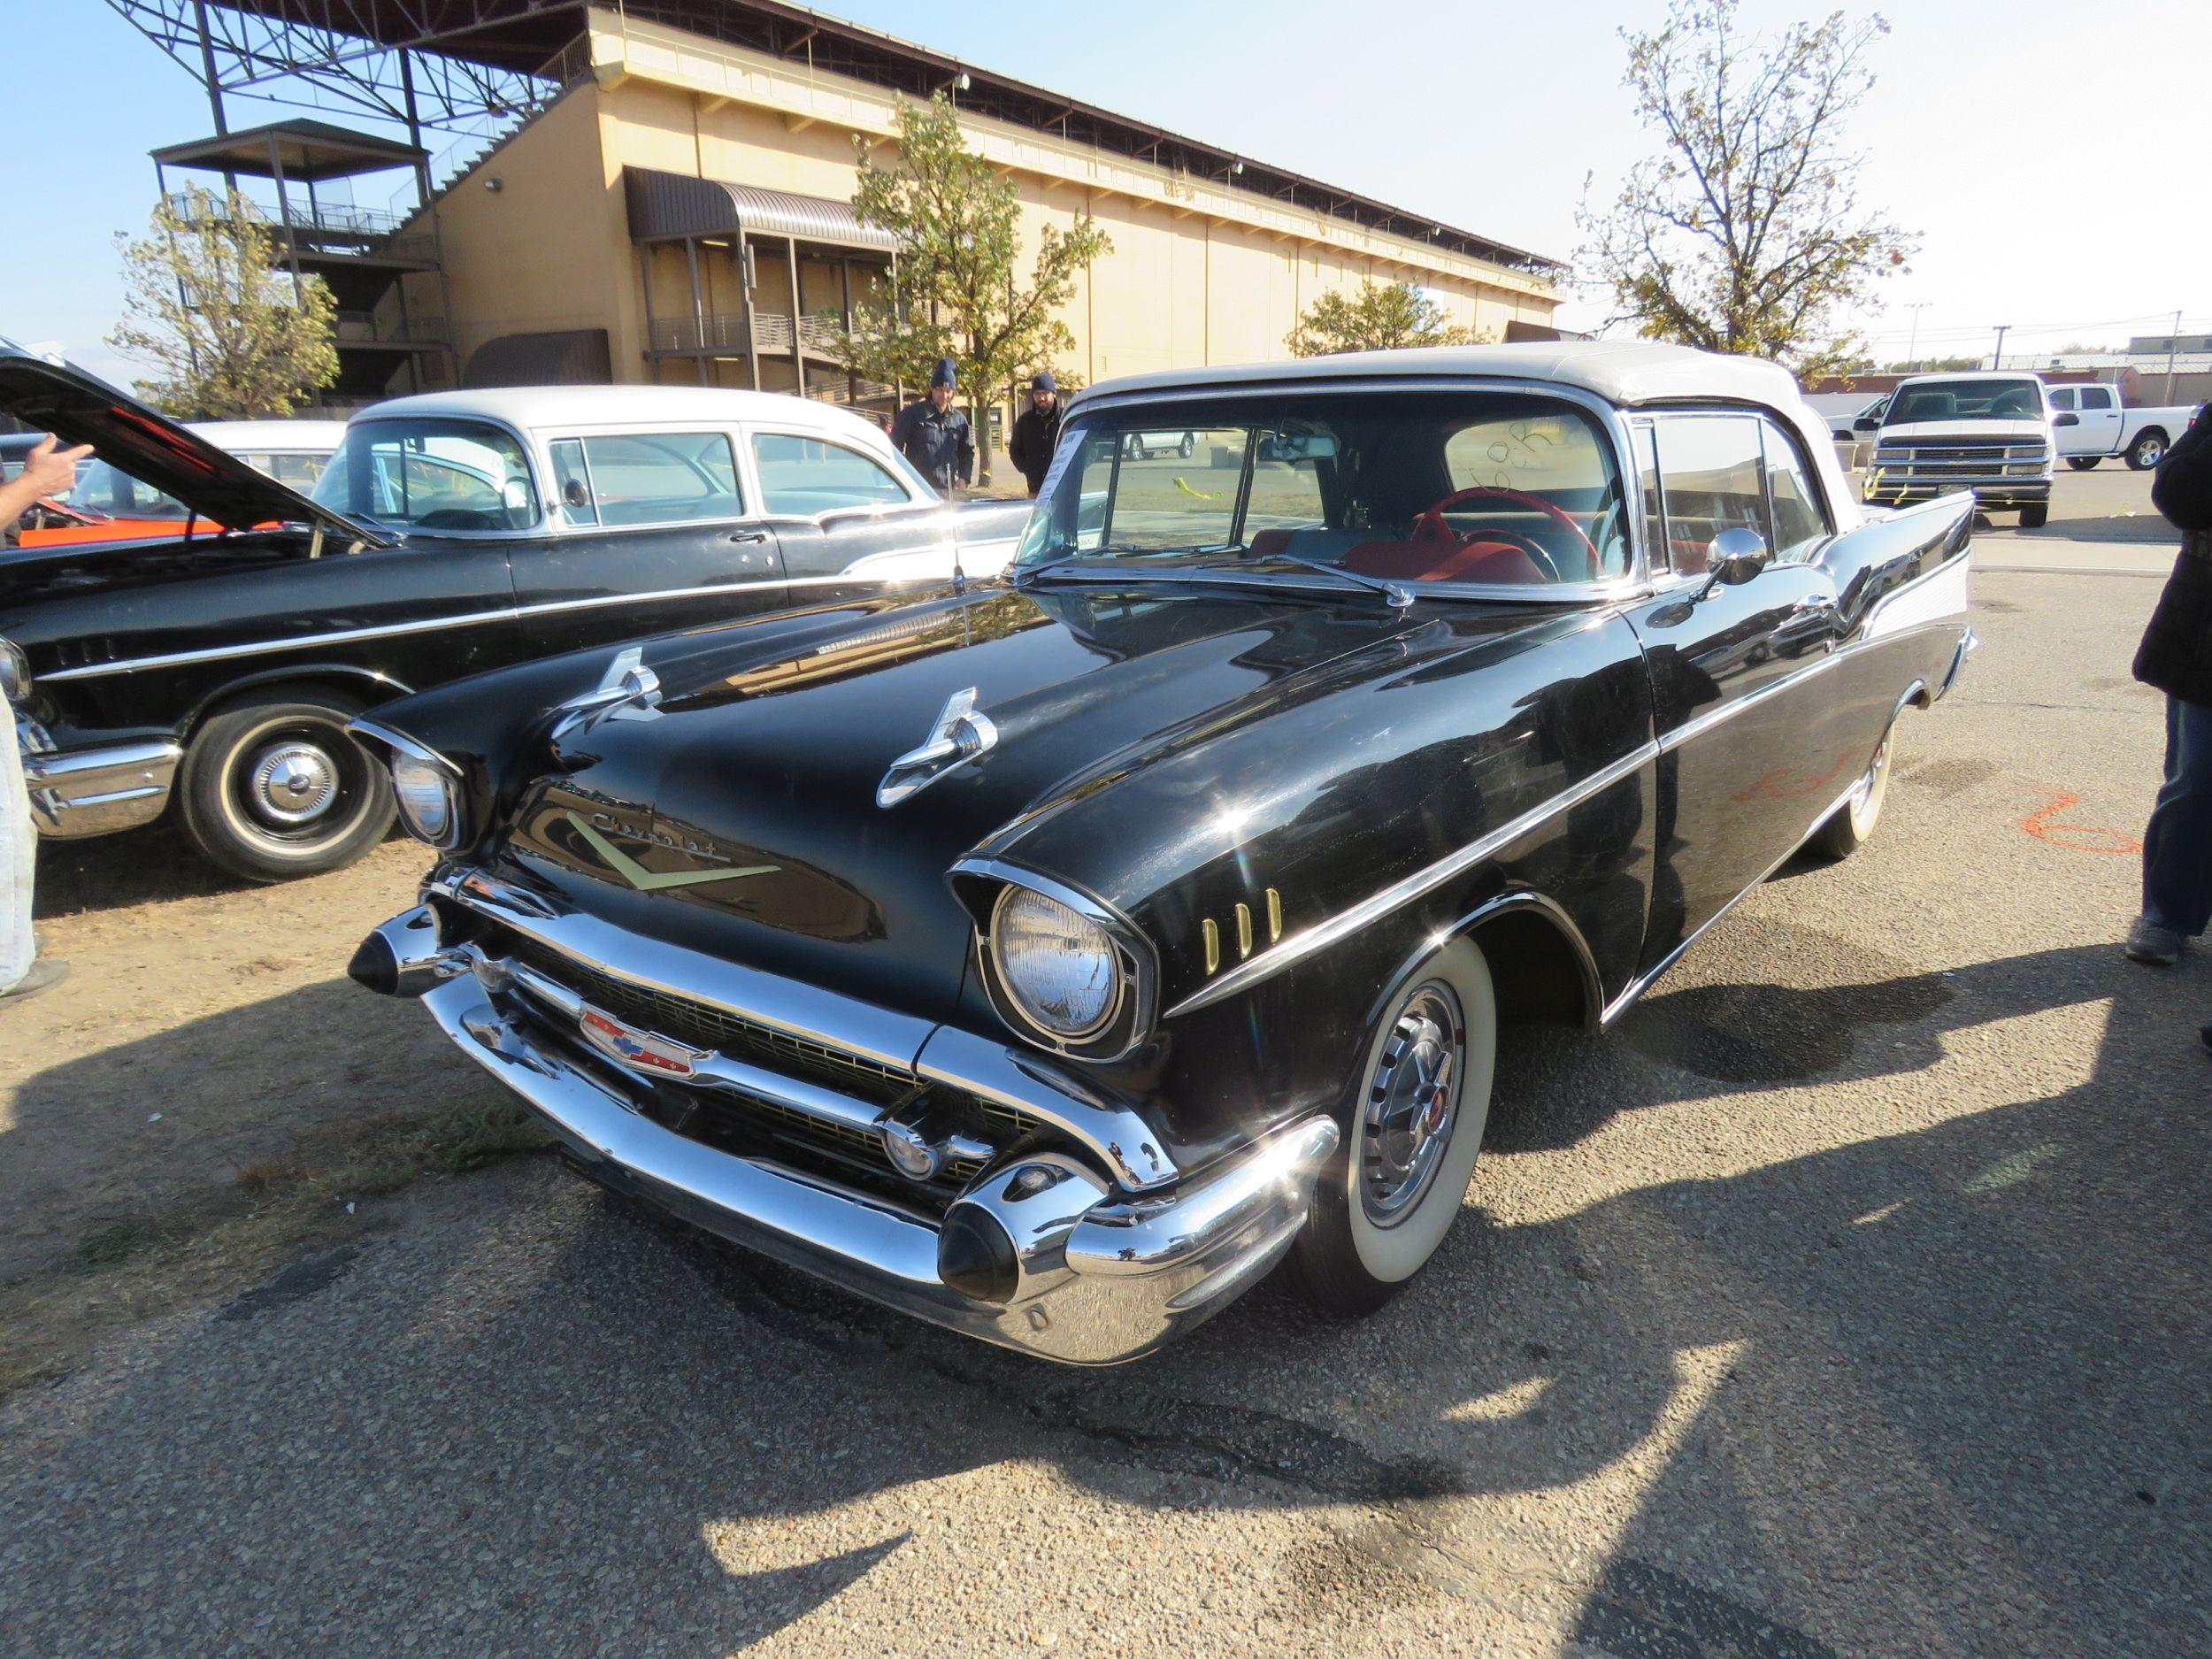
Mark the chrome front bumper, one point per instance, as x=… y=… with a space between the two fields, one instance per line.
x=1106 y=1272
x=94 y=791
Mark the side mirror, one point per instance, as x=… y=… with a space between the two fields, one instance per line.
x=2067 y=420
x=1867 y=423
x=1839 y=433
x=1734 y=557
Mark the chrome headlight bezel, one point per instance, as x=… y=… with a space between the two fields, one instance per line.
x=15 y=674
x=1024 y=997
x=985 y=887
x=410 y=763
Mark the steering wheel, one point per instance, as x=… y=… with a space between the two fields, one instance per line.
x=1430 y=526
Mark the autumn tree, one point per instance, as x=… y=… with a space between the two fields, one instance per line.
x=1744 y=232
x=206 y=303
x=957 y=225
x=1381 y=317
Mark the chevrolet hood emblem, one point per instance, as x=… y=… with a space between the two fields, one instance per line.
x=653 y=881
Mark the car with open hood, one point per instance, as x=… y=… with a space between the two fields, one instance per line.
x=1047 y=956
x=217 y=663
x=108 y=504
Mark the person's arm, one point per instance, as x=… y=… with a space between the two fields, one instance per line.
x=2182 y=487
x=967 y=451
x=48 y=472
x=1017 y=450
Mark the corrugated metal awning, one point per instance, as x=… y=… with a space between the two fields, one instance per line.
x=664 y=206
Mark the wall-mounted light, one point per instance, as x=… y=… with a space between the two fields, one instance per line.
x=1238 y=170
x=960 y=82
x=492 y=185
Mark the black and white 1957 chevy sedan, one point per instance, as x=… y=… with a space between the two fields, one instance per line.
x=1048 y=956
x=452 y=532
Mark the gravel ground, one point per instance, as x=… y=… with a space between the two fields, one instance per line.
x=1851 y=1298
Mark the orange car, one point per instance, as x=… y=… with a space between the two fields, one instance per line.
x=113 y=506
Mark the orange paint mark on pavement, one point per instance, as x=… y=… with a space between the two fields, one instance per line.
x=2081 y=837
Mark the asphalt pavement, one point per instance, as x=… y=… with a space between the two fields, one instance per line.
x=1852 y=1297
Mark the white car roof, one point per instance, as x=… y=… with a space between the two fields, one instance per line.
x=541 y=408
x=1972 y=374
x=1626 y=372
x=286 y=437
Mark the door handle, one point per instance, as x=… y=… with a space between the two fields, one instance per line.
x=749 y=535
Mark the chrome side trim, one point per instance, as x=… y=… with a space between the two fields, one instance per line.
x=96 y=791
x=1112 y=1134
x=504 y=613
x=1405 y=891
x=399 y=743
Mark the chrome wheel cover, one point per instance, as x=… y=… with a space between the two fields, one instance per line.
x=1412 y=1103
x=1866 y=801
x=292 y=783
x=2150 y=452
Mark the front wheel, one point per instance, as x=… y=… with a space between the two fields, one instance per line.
x=2147 y=451
x=1382 y=1208
x=2035 y=517
x=272 y=787
x=2082 y=463
x=1852 y=825
x=1185 y=447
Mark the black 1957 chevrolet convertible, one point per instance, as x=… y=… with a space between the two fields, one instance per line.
x=1049 y=956
x=453 y=533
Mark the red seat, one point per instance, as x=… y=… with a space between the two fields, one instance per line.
x=1434 y=561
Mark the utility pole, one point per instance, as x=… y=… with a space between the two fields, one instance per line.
x=2173 y=344
x=1912 y=356
x=1997 y=359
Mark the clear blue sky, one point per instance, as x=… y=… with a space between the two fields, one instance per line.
x=2051 y=152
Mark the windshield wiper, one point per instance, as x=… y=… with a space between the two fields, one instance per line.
x=1400 y=598
x=1025 y=573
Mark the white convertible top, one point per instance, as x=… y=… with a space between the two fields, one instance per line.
x=1628 y=373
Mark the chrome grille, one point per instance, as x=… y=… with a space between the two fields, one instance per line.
x=719 y=1115
x=1958 y=460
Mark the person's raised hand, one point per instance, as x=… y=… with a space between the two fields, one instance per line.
x=54 y=472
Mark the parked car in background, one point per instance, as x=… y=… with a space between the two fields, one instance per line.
x=448 y=534
x=46 y=512
x=1047 y=957
x=2104 y=426
x=113 y=506
x=1142 y=446
x=1992 y=433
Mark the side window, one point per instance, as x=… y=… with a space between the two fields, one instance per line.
x=646 y=478
x=1562 y=459
x=1799 y=521
x=1714 y=472
x=806 y=476
x=2062 y=397
x=2096 y=397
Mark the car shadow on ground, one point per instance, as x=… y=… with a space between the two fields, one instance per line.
x=1956 y=1361
x=115 y=872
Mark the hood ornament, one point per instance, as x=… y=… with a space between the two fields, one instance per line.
x=961 y=734
x=627 y=691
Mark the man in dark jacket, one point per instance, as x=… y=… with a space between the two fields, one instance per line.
x=1037 y=434
x=2175 y=657
x=934 y=435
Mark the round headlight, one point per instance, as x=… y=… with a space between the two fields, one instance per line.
x=1059 y=967
x=426 y=802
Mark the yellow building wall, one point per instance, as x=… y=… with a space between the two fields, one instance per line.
x=1183 y=286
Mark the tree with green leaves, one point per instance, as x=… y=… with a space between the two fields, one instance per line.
x=1744 y=232
x=205 y=302
x=957 y=225
x=1381 y=317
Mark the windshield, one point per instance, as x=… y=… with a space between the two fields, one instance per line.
x=1448 y=488
x=1965 y=400
x=431 y=475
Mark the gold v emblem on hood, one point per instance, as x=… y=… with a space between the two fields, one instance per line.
x=648 y=881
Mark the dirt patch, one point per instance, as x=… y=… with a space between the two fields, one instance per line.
x=207 y=1093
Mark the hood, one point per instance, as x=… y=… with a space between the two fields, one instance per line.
x=151 y=447
x=741 y=816
x=1981 y=429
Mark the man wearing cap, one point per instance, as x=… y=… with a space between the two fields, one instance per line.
x=1037 y=434
x=934 y=435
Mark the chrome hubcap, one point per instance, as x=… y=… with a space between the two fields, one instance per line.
x=2151 y=453
x=294 y=782
x=1412 y=1103
x=1866 y=805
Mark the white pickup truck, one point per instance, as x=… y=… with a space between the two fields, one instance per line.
x=1987 y=432
x=2103 y=428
